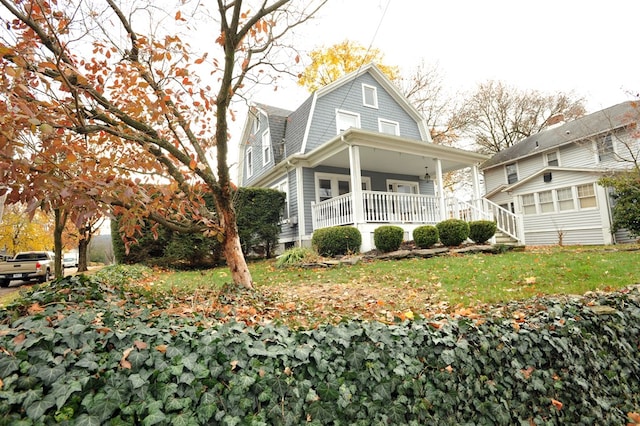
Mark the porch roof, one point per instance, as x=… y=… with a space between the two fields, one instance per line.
x=384 y=153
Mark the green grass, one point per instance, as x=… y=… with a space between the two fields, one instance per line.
x=464 y=279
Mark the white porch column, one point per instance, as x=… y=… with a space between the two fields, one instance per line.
x=356 y=184
x=475 y=178
x=301 y=205
x=440 y=189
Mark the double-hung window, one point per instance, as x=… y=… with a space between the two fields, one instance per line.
x=605 y=148
x=266 y=147
x=529 y=204
x=546 y=202
x=346 y=120
x=249 y=162
x=369 y=96
x=389 y=127
x=565 y=199
x=586 y=196
x=552 y=158
x=512 y=173
x=284 y=187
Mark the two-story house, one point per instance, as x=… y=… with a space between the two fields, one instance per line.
x=356 y=152
x=550 y=179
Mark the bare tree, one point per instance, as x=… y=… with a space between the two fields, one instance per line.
x=497 y=116
x=119 y=77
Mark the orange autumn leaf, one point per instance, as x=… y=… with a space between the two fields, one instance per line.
x=161 y=348
x=140 y=345
x=123 y=361
x=35 y=309
x=556 y=404
x=19 y=339
x=634 y=419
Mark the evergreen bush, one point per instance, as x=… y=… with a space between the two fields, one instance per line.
x=388 y=238
x=425 y=236
x=453 y=232
x=336 y=240
x=480 y=231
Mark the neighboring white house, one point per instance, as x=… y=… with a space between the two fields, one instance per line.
x=356 y=152
x=551 y=178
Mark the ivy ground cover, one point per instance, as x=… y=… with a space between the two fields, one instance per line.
x=102 y=350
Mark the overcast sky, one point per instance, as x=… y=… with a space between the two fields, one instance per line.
x=590 y=48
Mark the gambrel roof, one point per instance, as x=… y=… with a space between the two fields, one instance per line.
x=580 y=129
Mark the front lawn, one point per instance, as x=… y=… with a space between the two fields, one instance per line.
x=388 y=290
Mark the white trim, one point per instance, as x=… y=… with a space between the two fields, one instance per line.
x=249 y=161
x=375 y=95
x=266 y=147
x=341 y=112
x=283 y=186
x=334 y=178
x=395 y=124
x=393 y=183
x=546 y=158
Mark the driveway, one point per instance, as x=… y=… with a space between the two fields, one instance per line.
x=19 y=285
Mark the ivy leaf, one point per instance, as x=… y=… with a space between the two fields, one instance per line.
x=37 y=409
x=87 y=420
x=8 y=365
x=49 y=375
x=154 y=418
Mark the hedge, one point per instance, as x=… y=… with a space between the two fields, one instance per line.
x=94 y=363
x=388 y=237
x=336 y=240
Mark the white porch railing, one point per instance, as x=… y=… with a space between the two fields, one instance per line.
x=394 y=207
x=483 y=209
x=335 y=211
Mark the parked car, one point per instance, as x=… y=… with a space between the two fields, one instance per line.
x=70 y=260
x=27 y=266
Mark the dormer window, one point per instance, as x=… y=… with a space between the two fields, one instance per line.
x=369 y=96
x=346 y=120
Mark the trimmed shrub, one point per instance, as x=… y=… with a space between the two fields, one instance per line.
x=480 y=231
x=336 y=240
x=453 y=232
x=425 y=236
x=388 y=237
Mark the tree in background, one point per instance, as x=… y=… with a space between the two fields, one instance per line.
x=497 y=116
x=125 y=79
x=626 y=184
x=328 y=64
x=19 y=232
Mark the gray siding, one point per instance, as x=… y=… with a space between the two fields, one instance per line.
x=349 y=98
x=296 y=127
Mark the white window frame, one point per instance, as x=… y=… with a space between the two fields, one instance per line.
x=529 y=205
x=344 y=114
x=548 y=205
x=506 y=172
x=606 y=148
x=249 y=161
x=392 y=186
x=592 y=195
x=283 y=186
x=256 y=124
x=391 y=123
x=374 y=93
x=266 y=147
x=564 y=201
x=335 y=178
x=557 y=159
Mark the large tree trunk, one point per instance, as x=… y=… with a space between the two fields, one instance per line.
x=231 y=247
x=83 y=248
x=60 y=218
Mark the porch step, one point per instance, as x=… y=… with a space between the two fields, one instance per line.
x=502 y=238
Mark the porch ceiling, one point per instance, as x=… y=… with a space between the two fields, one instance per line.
x=393 y=154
